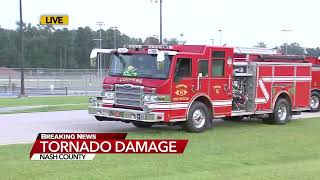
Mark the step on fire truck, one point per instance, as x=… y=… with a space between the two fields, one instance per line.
x=188 y=85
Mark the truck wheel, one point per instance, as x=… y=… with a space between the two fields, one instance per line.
x=100 y=118
x=233 y=118
x=314 y=101
x=281 y=114
x=142 y=124
x=198 y=118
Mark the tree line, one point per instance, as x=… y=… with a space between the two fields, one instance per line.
x=47 y=47
x=293 y=48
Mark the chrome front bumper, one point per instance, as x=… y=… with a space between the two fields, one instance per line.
x=126 y=114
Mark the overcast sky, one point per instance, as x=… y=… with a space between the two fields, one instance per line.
x=243 y=22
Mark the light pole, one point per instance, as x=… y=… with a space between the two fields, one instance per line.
x=100 y=24
x=160 y=21
x=160 y=2
x=212 y=41
x=286 y=30
x=22 y=90
x=220 y=33
x=181 y=38
x=114 y=28
x=99 y=61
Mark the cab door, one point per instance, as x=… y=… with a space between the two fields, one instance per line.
x=203 y=76
x=220 y=81
x=183 y=87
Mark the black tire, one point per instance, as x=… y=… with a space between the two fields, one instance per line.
x=198 y=125
x=100 y=118
x=282 y=105
x=233 y=118
x=267 y=120
x=142 y=124
x=315 y=97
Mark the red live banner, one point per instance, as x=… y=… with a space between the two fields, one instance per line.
x=84 y=146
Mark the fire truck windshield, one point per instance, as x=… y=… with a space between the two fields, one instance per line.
x=140 y=65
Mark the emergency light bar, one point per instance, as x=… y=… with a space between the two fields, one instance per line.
x=122 y=50
x=147 y=46
x=153 y=51
x=255 y=50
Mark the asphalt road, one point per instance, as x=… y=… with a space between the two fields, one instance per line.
x=24 y=127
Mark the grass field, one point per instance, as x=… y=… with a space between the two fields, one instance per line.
x=36 y=101
x=231 y=150
x=63 y=107
x=56 y=103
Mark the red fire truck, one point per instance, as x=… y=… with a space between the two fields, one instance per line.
x=188 y=85
x=315 y=83
x=271 y=55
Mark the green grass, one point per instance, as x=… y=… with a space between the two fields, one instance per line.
x=231 y=150
x=51 y=108
x=57 y=103
x=35 y=101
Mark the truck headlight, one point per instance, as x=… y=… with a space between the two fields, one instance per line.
x=150 y=98
x=93 y=102
x=153 y=98
x=109 y=94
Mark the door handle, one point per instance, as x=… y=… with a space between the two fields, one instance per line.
x=227 y=90
x=193 y=88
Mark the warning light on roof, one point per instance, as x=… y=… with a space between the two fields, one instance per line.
x=122 y=50
x=147 y=46
x=153 y=51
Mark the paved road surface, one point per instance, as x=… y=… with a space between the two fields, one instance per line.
x=24 y=127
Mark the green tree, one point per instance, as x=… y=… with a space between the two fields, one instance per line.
x=8 y=48
x=151 y=41
x=261 y=44
x=313 y=52
x=293 y=48
x=172 y=41
x=83 y=44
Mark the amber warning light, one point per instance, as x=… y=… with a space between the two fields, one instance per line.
x=54 y=20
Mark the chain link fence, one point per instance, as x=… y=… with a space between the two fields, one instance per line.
x=41 y=81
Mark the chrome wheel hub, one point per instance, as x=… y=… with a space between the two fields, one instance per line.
x=282 y=112
x=314 y=102
x=198 y=118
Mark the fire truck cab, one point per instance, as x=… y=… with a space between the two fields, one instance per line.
x=189 y=85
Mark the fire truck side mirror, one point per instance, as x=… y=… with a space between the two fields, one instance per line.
x=93 y=61
x=93 y=57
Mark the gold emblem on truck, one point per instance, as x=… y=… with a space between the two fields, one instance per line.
x=181 y=90
x=217 y=89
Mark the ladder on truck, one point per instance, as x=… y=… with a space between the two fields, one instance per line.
x=255 y=50
x=244 y=53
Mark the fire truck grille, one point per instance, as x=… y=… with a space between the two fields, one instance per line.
x=128 y=95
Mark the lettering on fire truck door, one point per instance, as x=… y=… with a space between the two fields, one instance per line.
x=183 y=87
x=220 y=82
